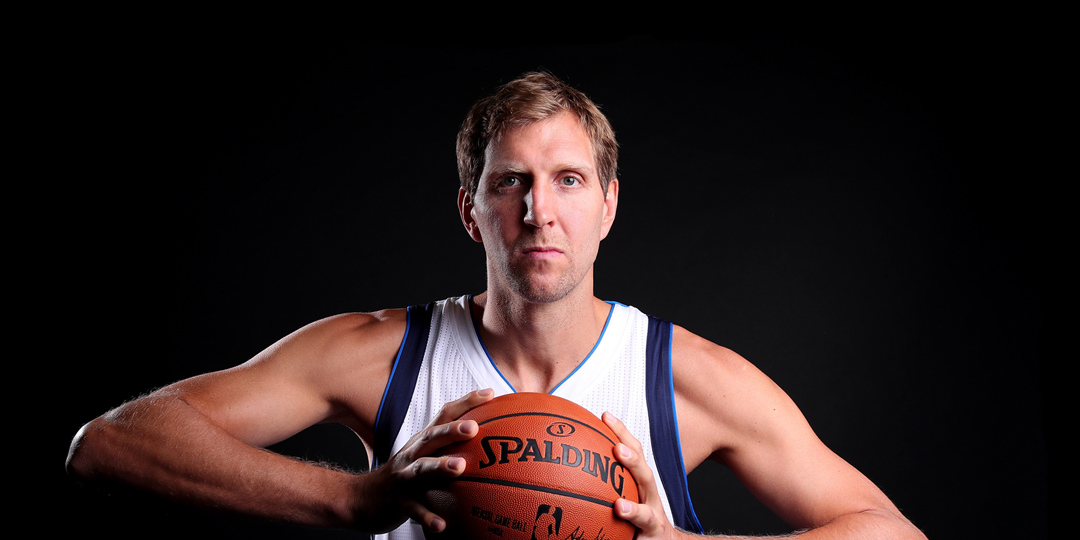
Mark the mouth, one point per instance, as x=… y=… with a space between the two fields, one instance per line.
x=541 y=252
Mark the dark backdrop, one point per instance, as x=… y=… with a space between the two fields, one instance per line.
x=859 y=218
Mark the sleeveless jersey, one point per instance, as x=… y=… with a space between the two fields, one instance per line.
x=628 y=373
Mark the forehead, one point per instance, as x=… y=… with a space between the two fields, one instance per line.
x=559 y=141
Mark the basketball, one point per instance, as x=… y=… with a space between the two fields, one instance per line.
x=540 y=467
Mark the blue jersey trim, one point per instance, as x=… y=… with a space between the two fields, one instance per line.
x=393 y=369
x=664 y=425
x=476 y=328
x=591 y=351
x=403 y=376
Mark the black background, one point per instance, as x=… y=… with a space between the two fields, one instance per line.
x=866 y=220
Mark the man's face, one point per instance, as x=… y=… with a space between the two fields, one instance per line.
x=539 y=209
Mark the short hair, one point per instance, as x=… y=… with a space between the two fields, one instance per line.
x=531 y=98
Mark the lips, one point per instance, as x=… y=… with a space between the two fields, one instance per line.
x=541 y=252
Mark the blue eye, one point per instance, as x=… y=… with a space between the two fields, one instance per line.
x=509 y=181
x=570 y=181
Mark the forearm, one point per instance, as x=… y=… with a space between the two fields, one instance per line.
x=868 y=525
x=162 y=445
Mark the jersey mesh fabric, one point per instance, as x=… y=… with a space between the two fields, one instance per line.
x=611 y=378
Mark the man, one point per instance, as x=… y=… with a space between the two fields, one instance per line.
x=537 y=163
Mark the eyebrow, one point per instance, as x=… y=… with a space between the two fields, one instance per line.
x=514 y=169
x=584 y=167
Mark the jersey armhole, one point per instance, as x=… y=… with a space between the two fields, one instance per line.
x=664 y=425
x=399 y=388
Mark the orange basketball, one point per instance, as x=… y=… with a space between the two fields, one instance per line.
x=541 y=467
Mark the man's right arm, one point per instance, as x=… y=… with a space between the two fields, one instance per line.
x=201 y=441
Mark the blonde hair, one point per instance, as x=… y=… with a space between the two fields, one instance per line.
x=531 y=98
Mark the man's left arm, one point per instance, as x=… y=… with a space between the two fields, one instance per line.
x=729 y=411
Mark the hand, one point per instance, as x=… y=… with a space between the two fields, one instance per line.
x=395 y=490
x=648 y=515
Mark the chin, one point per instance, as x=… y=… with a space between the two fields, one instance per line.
x=543 y=293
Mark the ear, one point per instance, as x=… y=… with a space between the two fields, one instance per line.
x=611 y=203
x=465 y=209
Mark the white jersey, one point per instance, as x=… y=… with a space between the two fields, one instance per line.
x=627 y=373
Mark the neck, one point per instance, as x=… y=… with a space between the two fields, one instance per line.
x=537 y=345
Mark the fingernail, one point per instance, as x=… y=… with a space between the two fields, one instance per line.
x=622 y=506
x=437 y=524
x=485 y=392
x=623 y=450
x=456 y=463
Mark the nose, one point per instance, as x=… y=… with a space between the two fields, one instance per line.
x=539 y=205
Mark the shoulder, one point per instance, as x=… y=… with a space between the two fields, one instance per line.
x=349 y=335
x=348 y=340
x=722 y=399
x=347 y=356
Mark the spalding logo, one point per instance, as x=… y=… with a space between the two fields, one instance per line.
x=560 y=429
x=499 y=450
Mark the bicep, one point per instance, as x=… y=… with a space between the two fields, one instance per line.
x=251 y=404
x=332 y=370
x=790 y=470
x=741 y=418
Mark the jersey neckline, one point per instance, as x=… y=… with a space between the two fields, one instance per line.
x=491 y=361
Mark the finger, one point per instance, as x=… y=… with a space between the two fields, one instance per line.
x=644 y=517
x=430 y=439
x=418 y=477
x=634 y=461
x=620 y=429
x=632 y=457
x=428 y=467
x=426 y=518
x=628 y=450
x=648 y=514
x=454 y=409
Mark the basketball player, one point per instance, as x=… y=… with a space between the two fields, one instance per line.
x=537 y=162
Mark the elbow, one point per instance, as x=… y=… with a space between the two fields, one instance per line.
x=80 y=463
x=893 y=524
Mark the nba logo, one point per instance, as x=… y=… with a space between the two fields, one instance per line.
x=548 y=519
